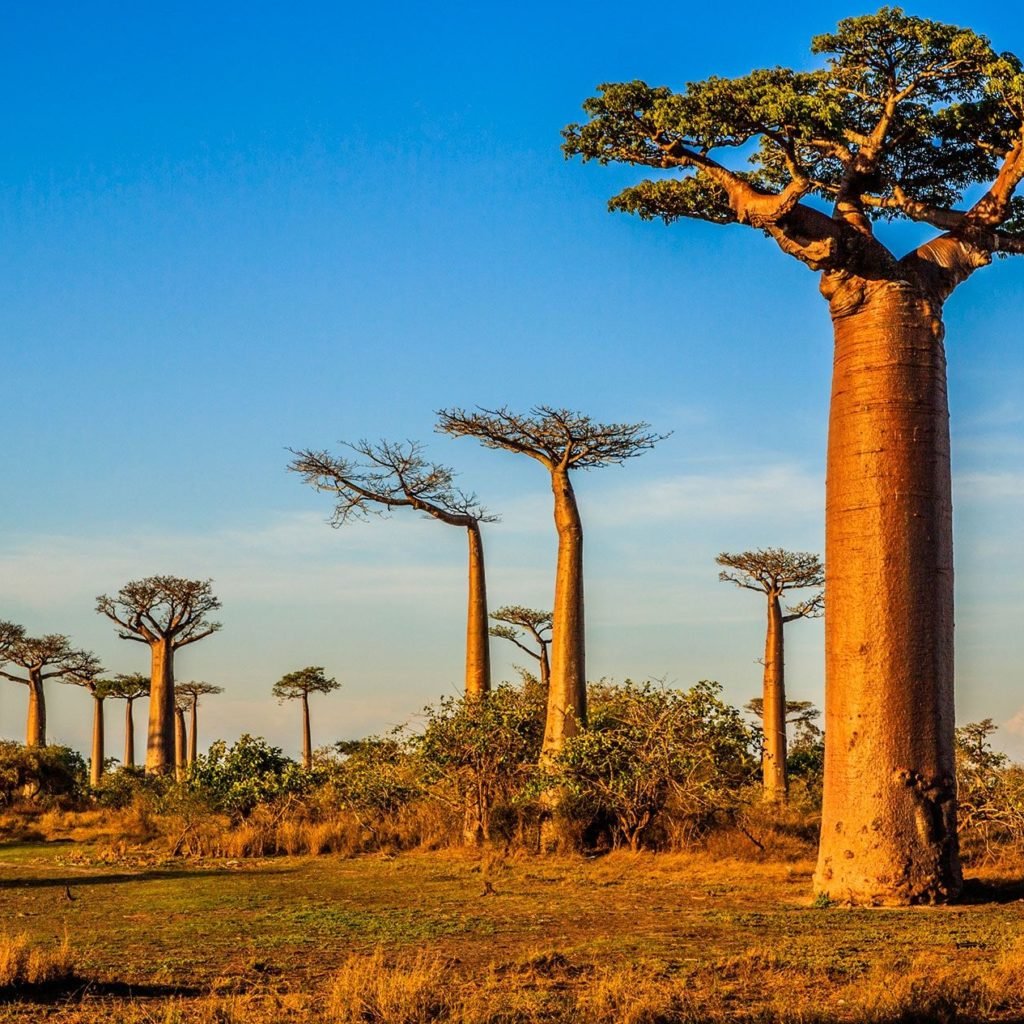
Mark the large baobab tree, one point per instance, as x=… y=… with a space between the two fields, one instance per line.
x=903 y=118
x=298 y=685
x=87 y=673
x=167 y=613
x=129 y=688
x=396 y=475
x=773 y=572
x=561 y=441
x=40 y=658
x=188 y=694
x=516 y=623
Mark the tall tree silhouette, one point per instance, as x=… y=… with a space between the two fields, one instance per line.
x=773 y=572
x=189 y=694
x=88 y=673
x=167 y=613
x=129 y=688
x=299 y=685
x=395 y=475
x=515 y=623
x=903 y=119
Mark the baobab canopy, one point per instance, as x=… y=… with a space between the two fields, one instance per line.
x=903 y=116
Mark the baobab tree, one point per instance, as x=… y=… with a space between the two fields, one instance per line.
x=88 y=673
x=129 y=688
x=773 y=572
x=515 y=621
x=167 y=613
x=561 y=441
x=41 y=658
x=299 y=685
x=189 y=694
x=180 y=737
x=902 y=120
x=395 y=476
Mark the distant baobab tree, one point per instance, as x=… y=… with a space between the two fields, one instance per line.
x=515 y=621
x=561 y=441
x=129 y=688
x=189 y=694
x=395 y=475
x=299 y=685
x=88 y=673
x=167 y=613
x=773 y=572
x=904 y=118
x=41 y=658
x=180 y=738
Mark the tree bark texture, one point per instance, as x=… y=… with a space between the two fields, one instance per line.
x=160 y=740
x=773 y=766
x=307 y=744
x=96 y=763
x=478 y=652
x=193 y=743
x=180 y=744
x=35 y=726
x=888 y=832
x=567 y=688
x=129 y=735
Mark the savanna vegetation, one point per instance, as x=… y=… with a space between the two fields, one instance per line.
x=578 y=850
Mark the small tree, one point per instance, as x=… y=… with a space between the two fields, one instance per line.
x=129 y=688
x=395 y=476
x=299 y=685
x=42 y=658
x=773 y=572
x=87 y=674
x=189 y=694
x=561 y=441
x=167 y=613
x=515 y=621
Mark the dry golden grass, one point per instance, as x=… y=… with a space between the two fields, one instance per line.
x=25 y=964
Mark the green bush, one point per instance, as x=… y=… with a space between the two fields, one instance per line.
x=41 y=774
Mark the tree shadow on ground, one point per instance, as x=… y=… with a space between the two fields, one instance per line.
x=992 y=890
x=76 y=989
x=84 y=881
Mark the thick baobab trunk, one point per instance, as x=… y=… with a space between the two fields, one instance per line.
x=888 y=832
x=307 y=744
x=96 y=764
x=180 y=741
x=35 y=726
x=160 y=740
x=193 y=743
x=478 y=653
x=773 y=767
x=567 y=686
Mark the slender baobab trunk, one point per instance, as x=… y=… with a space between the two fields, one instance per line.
x=193 y=743
x=180 y=741
x=307 y=744
x=35 y=726
x=773 y=767
x=888 y=830
x=160 y=740
x=478 y=653
x=129 y=735
x=545 y=668
x=96 y=764
x=567 y=687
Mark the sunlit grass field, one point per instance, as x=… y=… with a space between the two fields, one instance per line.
x=471 y=937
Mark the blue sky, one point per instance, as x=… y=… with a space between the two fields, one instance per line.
x=228 y=229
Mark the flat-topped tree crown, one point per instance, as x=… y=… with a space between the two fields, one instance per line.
x=774 y=571
x=298 y=685
x=904 y=116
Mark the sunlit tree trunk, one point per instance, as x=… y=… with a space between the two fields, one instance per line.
x=180 y=744
x=567 y=686
x=307 y=743
x=96 y=764
x=129 y=735
x=888 y=829
x=478 y=654
x=193 y=743
x=774 y=707
x=35 y=726
x=160 y=740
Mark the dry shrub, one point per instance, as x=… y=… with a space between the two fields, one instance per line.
x=23 y=965
x=369 y=990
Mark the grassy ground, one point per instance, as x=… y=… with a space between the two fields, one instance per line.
x=709 y=938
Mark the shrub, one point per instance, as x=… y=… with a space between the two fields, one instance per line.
x=52 y=774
